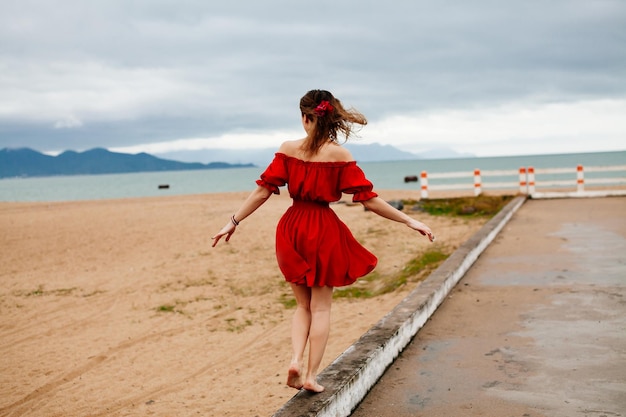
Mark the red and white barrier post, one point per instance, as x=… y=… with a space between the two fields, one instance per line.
x=580 y=179
x=424 y=184
x=531 y=180
x=523 y=185
x=477 y=182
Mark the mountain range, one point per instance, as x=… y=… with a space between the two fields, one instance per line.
x=26 y=162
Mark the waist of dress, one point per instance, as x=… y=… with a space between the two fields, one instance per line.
x=310 y=204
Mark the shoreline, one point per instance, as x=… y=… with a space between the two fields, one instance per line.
x=384 y=175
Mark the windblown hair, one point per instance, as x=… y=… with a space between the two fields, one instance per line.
x=339 y=120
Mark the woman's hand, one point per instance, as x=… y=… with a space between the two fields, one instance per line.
x=422 y=228
x=227 y=231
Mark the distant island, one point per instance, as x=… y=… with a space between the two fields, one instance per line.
x=26 y=162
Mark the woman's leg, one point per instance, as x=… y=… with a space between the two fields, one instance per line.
x=300 y=327
x=321 y=300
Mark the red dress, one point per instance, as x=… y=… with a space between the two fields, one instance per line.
x=313 y=246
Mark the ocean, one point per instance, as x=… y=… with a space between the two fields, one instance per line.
x=384 y=175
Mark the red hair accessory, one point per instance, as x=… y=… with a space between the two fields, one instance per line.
x=323 y=108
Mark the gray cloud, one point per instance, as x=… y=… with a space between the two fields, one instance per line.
x=77 y=74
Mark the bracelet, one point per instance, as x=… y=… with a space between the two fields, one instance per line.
x=235 y=222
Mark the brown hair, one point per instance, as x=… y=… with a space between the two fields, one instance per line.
x=330 y=122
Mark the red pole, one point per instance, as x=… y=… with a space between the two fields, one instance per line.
x=424 y=184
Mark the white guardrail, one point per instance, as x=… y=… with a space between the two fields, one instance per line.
x=526 y=179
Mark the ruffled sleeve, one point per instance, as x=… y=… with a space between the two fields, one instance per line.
x=353 y=181
x=275 y=175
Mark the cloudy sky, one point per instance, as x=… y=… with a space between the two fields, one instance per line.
x=484 y=77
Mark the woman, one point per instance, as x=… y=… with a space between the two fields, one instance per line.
x=315 y=250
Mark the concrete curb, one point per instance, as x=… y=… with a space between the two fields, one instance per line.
x=578 y=194
x=354 y=372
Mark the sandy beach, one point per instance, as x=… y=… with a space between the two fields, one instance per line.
x=122 y=308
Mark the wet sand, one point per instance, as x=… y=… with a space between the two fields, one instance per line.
x=535 y=328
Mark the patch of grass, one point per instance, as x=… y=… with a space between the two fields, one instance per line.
x=41 y=292
x=287 y=300
x=172 y=308
x=234 y=327
x=363 y=288
x=480 y=206
x=374 y=284
x=353 y=291
x=166 y=308
x=429 y=260
x=36 y=293
x=415 y=270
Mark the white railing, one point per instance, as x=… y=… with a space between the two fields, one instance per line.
x=526 y=179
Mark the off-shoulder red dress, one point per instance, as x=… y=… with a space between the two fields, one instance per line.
x=313 y=246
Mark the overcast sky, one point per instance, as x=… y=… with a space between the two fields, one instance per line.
x=485 y=77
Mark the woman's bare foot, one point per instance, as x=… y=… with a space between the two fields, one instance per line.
x=313 y=386
x=294 y=379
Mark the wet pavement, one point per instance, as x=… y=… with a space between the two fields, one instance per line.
x=537 y=326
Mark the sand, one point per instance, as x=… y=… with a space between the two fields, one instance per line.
x=122 y=308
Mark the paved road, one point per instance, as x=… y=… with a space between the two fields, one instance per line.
x=537 y=327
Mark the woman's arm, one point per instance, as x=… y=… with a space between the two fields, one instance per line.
x=384 y=209
x=253 y=202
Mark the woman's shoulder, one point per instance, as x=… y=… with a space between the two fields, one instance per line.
x=332 y=152
x=337 y=153
x=290 y=147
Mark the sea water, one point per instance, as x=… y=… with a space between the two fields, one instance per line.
x=384 y=175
